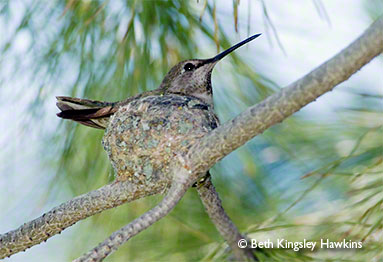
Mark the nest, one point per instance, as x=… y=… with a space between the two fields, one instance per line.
x=145 y=137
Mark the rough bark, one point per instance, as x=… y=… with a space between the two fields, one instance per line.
x=67 y=214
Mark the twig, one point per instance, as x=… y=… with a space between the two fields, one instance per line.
x=221 y=220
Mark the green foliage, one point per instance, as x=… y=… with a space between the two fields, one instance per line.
x=304 y=178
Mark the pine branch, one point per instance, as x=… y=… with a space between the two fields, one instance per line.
x=277 y=107
x=67 y=214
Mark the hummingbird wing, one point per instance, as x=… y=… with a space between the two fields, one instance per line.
x=84 y=111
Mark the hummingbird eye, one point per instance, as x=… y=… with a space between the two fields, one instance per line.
x=189 y=67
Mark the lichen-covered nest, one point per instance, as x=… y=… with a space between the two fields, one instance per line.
x=147 y=135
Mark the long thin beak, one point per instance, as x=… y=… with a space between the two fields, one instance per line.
x=231 y=49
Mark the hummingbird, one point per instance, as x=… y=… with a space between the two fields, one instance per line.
x=189 y=78
x=147 y=135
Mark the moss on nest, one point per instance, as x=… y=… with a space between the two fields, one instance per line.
x=146 y=135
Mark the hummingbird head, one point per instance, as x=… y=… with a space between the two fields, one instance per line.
x=193 y=77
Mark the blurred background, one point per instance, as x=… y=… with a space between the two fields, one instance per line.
x=316 y=175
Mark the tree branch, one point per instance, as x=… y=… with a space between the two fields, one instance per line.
x=256 y=119
x=180 y=185
x=67 y=214
x=222 y=221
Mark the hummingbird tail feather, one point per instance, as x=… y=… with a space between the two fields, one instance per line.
x=84 y=111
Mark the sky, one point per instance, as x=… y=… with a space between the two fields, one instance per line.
x=307 y=39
